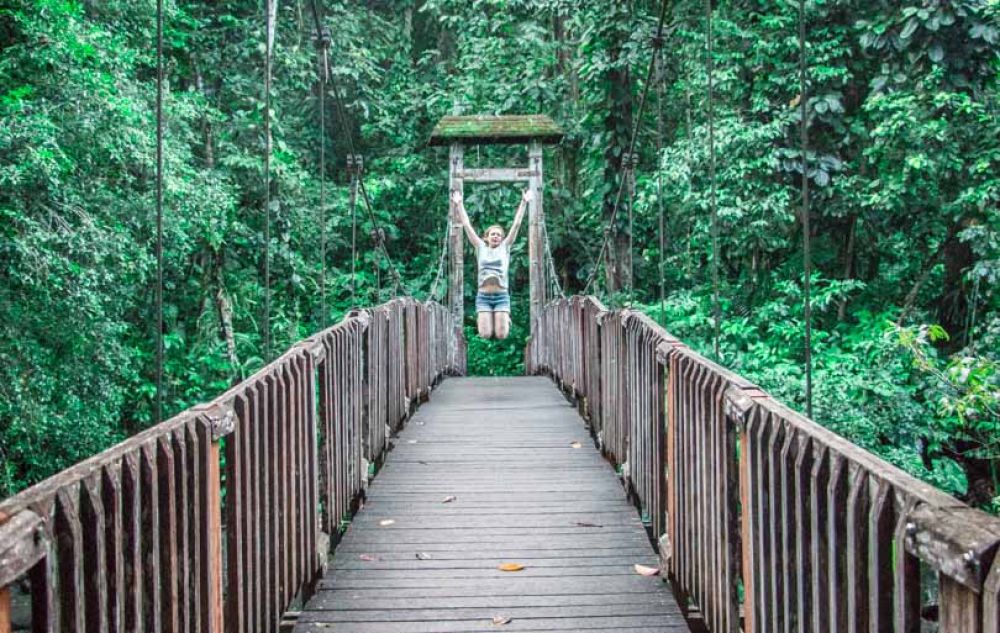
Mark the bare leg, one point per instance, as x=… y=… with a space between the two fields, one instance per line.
x=484 y=320
x=501 y=324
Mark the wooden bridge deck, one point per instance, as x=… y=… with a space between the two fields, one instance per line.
x=504 y=449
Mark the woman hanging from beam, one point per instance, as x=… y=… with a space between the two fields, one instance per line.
x=493 y=255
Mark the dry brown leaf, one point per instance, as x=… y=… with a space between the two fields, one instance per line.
x=510 y=567
x=587 y=524
x=576 y=444
x=386 y=522
x=501 y=619
x=423 y=556
x=449 y=499
x=796 y=101
x=368 y=557
x=642 y=570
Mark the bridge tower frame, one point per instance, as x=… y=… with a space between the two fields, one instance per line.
x=533 y=130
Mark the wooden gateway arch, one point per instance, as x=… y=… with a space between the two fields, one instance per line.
x=533 y=130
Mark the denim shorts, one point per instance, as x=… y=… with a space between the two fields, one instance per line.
x=492 y=302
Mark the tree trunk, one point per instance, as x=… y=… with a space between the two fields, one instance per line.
x=848 y=264
x=224 y=312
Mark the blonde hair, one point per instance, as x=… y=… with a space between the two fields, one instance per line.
x=491 y=227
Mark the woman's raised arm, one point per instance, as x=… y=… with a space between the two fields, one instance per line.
x=456 y=199
x=516 y=224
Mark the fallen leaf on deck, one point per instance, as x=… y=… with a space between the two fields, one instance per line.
x=385 y=522
x=449 y=499
x=587 y=524
x=576 y=445
x=368 y=557
x=501 y=619
x=642 y=570
x=423 y=556
x=510 y=567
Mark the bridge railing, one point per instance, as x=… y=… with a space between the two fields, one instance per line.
x=766 y=520
x=216 y=519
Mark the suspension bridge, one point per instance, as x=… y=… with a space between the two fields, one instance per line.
x=640 y=487
x=359 y=483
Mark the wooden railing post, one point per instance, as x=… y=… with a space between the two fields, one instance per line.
x=23 y=546
x=961 y=545
x=738 y=407
x=221 y=421
x=666 y=471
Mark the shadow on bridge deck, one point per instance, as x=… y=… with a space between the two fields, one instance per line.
x=504 y=449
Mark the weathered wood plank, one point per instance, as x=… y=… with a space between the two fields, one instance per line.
x=523 y=494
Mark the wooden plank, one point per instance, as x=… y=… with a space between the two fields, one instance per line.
x=573 y=530
x=656 y=622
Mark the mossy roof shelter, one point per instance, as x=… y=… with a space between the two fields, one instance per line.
x=507 y=129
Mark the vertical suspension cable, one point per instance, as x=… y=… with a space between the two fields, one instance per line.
x=806 y=252
x=659 y=181
x=354 y=236
x=710 y=66
x=268 y=44
x=159 y=212
x=321 y=44
x=630 y=175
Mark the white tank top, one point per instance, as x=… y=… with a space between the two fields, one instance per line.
x=493 y=264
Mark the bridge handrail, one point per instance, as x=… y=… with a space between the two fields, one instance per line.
x=766 y=520
x=217 y=518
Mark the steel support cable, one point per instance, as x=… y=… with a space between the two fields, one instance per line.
x=380 y=240
x=442 y=263
x=630 y=175
x=806 y=247
x=379 y=233
x=659 y=182
x=354 y=238
x=322 y=60
x=657 y=43
x=713 y=203
x=553 y=276
x=268 y=45
x=159 y=211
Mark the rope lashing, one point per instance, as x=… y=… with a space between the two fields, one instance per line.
x=656 y=42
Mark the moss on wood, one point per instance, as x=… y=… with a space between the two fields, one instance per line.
x=492 y=129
